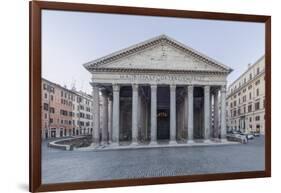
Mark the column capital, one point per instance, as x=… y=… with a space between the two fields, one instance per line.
x=207 y=90
x=116 y=87
x=173 y=87
x=190 y=88
x=135 y=87
x=104 y=91
x=94 y=84
x=223 y=88
x=153 y=87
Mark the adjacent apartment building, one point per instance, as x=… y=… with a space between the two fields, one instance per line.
x=246 y=100
x=65 y=112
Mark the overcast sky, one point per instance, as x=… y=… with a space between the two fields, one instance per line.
x=70 y=39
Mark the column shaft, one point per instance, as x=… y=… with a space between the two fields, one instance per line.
x=110 y=119
x=207 y=112
x=216 y=114
x=96 y=114
x=172 y=113
x=190 y=114
x=153 y=114
x=223 y=111
x=116 y=111
x=135 y=101
x=104 y=117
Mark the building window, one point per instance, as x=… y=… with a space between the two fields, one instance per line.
x=257 y=82
x=257 y=105
x=249 y=108
x=257 y=118
x=244 y=98
x=44 y=86
x=46 y=106
x=52 y=97
x=250 y=77
x=45 y=95
x=258 y=70
x=250 y=95
x=52 y=110
x=257 y=92
x=250 y=119
x=51 y=120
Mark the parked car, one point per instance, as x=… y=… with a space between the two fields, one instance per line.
x=248 y=135
x=237 y=137
x=256 y=134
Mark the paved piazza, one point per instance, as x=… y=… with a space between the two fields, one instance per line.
x=73 y=166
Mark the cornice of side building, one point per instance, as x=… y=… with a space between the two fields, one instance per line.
x=229 y=94
x=66 y=89
x=249 y=68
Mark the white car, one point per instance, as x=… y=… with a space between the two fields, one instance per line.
x=248 y=135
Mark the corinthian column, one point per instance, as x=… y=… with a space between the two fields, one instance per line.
x=172 y=114
x=110 y=119
x=207 y=113
x=135 y=114
x=96 y=114
x=153 y=114
x=223 y=111
x=190 y=114
x=115 y=117
x=104 y=117
x=216 y=114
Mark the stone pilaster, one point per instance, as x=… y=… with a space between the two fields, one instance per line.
x=135 y=101
x=115 y=114
x=172 y=113
x=153 y=114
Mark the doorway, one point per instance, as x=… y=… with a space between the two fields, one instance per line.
x=163 y=124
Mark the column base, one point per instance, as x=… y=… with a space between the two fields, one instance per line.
x=207 y=141
x=173 y=142
x=134 y=143
x=190 y=141
x=104 y=143
x=94 y=144
x=224 y=140
x=153 y=143
x=114 y=144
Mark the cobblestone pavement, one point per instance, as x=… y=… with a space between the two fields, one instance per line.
x=72 y=166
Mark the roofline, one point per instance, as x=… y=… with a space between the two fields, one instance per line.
x=69 y=90
x=257 y=61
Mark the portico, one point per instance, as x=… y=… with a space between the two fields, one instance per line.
x=158 y=90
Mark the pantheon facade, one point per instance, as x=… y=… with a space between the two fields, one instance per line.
x=158 y=90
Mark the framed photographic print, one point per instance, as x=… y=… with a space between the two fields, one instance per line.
x=123 y=96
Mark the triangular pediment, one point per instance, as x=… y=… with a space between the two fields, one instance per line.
x=160 y=53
